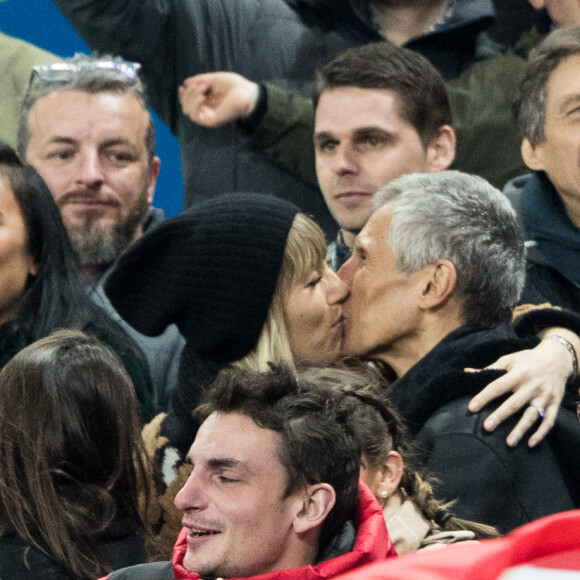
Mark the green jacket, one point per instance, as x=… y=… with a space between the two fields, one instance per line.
x=18 y=58
x=488 y=143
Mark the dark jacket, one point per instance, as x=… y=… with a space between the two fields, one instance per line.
x=493 y=483
x=162 y=352
x=265 y=40
x=552 y=243
x=121 y=545
x=12 y=341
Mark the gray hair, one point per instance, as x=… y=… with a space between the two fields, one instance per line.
x=461 y=218
x=529 y=106
x=86 y=80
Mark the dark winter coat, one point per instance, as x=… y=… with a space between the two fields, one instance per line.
x=493 y=483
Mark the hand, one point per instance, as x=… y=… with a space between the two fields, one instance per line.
x=213 y=99
x=537 y=376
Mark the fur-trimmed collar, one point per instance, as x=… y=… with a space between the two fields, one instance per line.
x=439 y=378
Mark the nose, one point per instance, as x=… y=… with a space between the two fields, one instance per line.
x=191 y=495
x=346 y=271
x=345 y=160
x=337 y=290
x=90 y=170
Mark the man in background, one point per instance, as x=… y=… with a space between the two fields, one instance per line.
x=86 y=128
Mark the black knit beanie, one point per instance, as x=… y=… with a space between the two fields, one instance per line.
x=212 y=271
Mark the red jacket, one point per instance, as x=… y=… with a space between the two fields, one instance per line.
x=372 y=543
x=545 y=546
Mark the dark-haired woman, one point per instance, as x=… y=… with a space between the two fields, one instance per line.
x=39 y=286
x=72 y=461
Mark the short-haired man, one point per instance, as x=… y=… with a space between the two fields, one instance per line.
x=381 y=111
x=548 y=201
x=434 y=276
x=86 y=128
x=274 y=487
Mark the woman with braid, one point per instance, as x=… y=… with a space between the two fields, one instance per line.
x=415 y=518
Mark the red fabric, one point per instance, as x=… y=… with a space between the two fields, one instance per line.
x=372 y=543
x=551 y=543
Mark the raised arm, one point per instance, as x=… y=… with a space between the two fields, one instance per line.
x=212 y=99
x=171 y=39
x=276 y=122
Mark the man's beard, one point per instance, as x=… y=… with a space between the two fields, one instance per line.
x=95 y=245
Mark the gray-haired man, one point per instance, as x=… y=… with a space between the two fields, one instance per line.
x=434 y=276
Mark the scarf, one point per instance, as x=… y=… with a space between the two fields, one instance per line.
x=546 y=223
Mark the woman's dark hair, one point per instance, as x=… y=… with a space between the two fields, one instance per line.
x=53 y=297
x=70 y=448
x=379 y=430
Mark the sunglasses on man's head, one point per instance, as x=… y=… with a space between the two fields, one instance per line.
x=60 y=72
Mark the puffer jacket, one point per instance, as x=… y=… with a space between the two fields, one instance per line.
x=372 y=543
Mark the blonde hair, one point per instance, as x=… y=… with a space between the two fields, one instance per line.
x=305 y=251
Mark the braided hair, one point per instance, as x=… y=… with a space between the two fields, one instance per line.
x=380 y=429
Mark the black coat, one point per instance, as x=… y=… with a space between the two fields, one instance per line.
x=121 y=546
x=493 y=483
x=544 y=281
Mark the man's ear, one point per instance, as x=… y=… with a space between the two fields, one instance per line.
x=441 y=149
x=389 y=476
x=438 y=284
x=318 y=500
x=154 y=169
x=532 y=155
